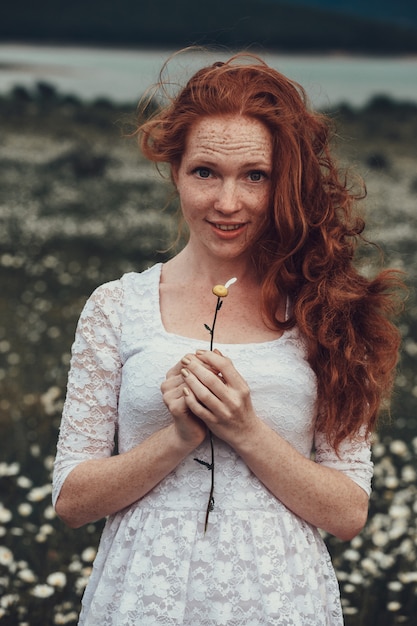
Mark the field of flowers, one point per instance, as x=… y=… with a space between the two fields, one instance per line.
x=79 y=207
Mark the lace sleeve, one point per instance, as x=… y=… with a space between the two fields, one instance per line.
x=353 y=458
x=90 y=410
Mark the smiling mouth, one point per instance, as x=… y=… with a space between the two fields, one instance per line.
x=228 y=226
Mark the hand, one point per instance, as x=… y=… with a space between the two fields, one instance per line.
x=190 y=429
x=216 y=393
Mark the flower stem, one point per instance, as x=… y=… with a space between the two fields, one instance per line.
x=210 y=504
x=210 y=466
x=218 y=307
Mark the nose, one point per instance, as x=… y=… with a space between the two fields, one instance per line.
x=228 y=198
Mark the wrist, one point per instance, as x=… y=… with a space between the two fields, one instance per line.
x=247 y=441
x=185 y=441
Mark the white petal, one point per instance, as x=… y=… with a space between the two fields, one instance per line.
x=230 y=282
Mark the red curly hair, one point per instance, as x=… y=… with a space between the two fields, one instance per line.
x=307 y=246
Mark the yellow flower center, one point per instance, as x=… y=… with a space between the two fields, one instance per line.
x=220 y=291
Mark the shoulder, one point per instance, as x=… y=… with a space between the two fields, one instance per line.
x=139 y=282
x=113 y=293
x=113 y=303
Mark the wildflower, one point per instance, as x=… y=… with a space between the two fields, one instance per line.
x=81 y=584
x=39 y=493
x=88 y=555
x=380 y=538
x=75 y=566
x=49 y=462
x=6 y=556
x=408 y=577
x=42 y=591
x=352 y=555
x=35 y=450
x=57 y=579
x=369 y=566
x=27 y=575
x=350 y=610
x=356 y=542
x=391 y=482
x=49 y=399
x=378 y=450
x=399 y=447
x=5 y=515
x=394 y=585
x=356 y=578
x=61 y=618
x=49 y=512
x=399 y=511
x=398 y=529
x=9 y=600
x=406 y=547
x=46 y=529
x=220 y=291
x=386 y=561
x=24 y=509
x=408 y=474
x=24 y=482
x=9 y=470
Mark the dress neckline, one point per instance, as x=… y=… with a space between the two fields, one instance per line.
x=184 y=338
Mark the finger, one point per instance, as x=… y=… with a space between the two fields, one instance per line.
x=204 y=396
x=221 y=365
x=201 y=378
x=195 y=406
x=189 y=358
x=172 y=383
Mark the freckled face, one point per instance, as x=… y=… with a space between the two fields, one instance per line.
x=224 y=183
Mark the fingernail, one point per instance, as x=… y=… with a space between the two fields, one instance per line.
x=184 y=372
x=185 y=391
x=186 y=360
x=200 y=351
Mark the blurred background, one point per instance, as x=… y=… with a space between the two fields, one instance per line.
x=79 y=206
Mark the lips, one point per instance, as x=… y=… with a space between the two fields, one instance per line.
x=227 y=227
x=227 y=231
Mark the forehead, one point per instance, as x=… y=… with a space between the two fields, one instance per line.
x=229 y=135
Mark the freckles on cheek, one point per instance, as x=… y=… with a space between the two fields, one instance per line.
x=194 y=203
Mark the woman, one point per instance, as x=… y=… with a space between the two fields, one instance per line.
x=304 y=353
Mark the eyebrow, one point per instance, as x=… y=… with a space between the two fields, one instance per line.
x=208 y=162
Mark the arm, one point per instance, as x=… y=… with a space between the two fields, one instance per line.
x=323 y=496
x=90 y=483
x=100 y=487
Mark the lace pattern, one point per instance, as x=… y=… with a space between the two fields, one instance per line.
x=258 y=563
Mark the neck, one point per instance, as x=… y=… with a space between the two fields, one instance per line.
x=196 y=270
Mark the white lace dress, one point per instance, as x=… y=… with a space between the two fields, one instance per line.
x=258 y=563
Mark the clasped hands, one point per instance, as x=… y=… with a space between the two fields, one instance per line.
x=204 y=390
